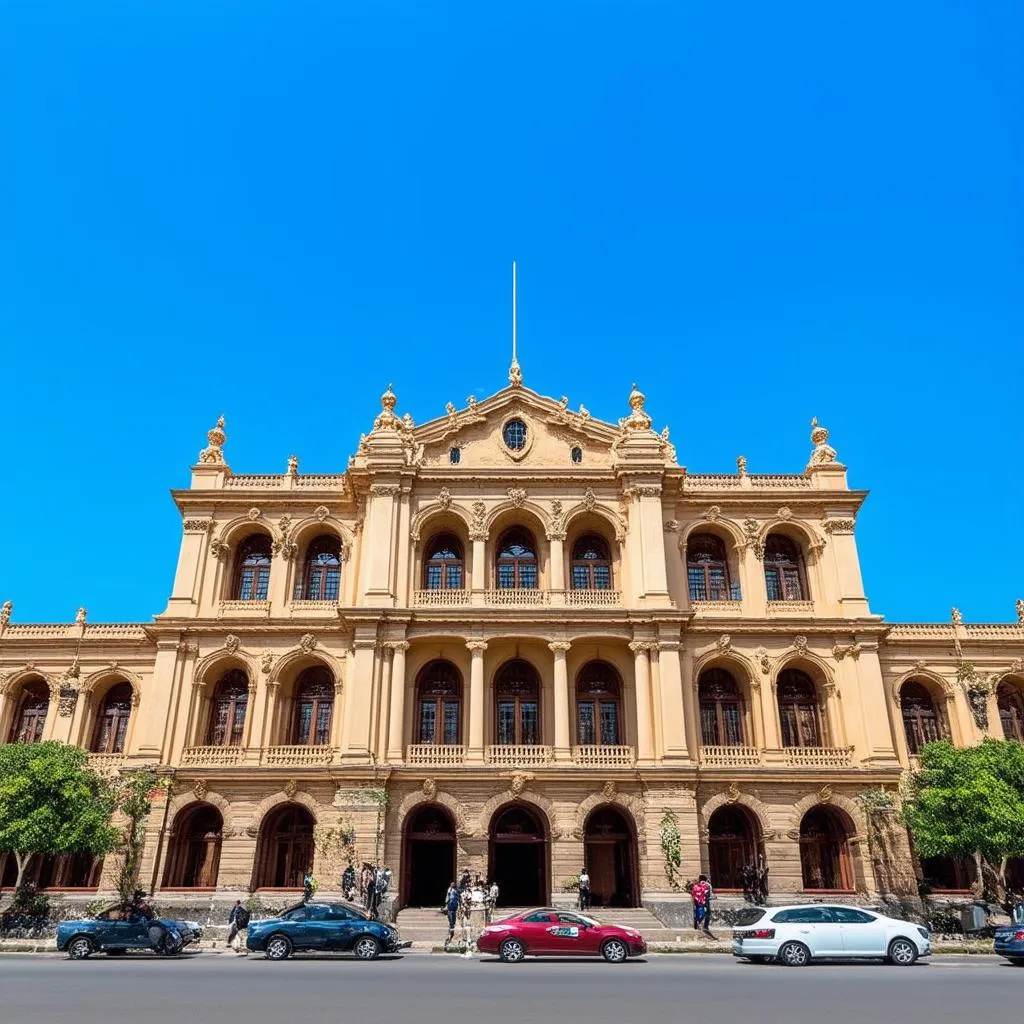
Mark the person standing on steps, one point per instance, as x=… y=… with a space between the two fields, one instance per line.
x=584 y=888
x=452 y=900
x=238 y=920
x=709 y=896
x=699 y=892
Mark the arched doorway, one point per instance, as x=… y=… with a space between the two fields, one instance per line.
x=825 y=850
x=609 y=852
x=732 y=843
x=285 y=848
x=518 y=857
x=195 y=850
x=430 y=851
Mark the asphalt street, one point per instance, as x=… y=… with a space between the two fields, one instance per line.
x=426 y=989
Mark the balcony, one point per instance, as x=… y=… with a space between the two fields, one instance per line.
x=801 y=608
x=440 y=598
x=516 y=598
x=818 y=757
x=313 y=609
x=602 y=756
x=243 y=610
x=297 y=755
x=212 y=757
x=435 y=754
x=519 y=755
x=106 y=764
x=730 y=756
x=717 y=607
x=593 y=598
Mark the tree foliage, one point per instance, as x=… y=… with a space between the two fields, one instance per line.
x=51 y=803
x=133 y=798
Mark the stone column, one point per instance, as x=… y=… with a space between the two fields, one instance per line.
x=644 y=717
x=479 y=581
x=396 y=722
x=673 y=714
x=871 y=688
x=557 y=561
x=563 y=751
x=359 y=687
x=381 y=522
x=475 y=753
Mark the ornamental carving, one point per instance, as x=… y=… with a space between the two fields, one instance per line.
x=1020 y=611
x=840 y=651
x=384 y=490
x=232 y=643
x=713 y=514
x=741 y=465
x=920 y=664
x=188 y=647
x=290 y=788
x=638 y=419
x=429 y=788
x=289 y=549
x=724 y=643
x=320 y=513
x=518 y=783
x=200 y=789
x=213 y=454
x=672 y=525
x=444 y=499
x=763 y=661
x=825 y=795
x=823 y=453
x=589 y=499
x=252 y=831
x=218 y=548
x=752 y=529
x=66 y=701
x=5 y=614
x=647 y=491
x=608 y=790
x=837 y=526
x=253 y=514
x=307 y=642
x=198 y=525
x=800 y=644
x=266 y=662
x=1017 y=666
x=785 y=513
x=479 y=515
x=284 y=524
x=517 y=495
x=733 y=793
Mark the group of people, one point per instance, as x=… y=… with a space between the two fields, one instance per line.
x=460 y=899
x=754 y=879
x=369 y=887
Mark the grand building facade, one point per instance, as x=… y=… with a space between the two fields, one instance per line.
x=515 y=639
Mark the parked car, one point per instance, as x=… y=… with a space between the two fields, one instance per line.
x=548 y=932
x=118 y=928
x=795 y=935
x=1010 y=938
x=323 y=927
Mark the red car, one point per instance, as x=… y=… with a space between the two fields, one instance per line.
x=548 y=932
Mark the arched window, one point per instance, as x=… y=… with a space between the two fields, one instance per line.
x=443 y=568
x=707 y=569
x=227 y=716
x=598 y=705
x=721 y=709
x=517 y=560
x=314 y=705
x=784 y=569
x=591 y=566
x=321 y=575
x=252 y=577
x=1010 y=699
x=112 y=720
x=798 y=710
x=439 y=704
x=922 y=721
x=30 y=713
x=517 y=704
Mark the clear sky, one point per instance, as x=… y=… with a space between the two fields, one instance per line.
x=759 y=212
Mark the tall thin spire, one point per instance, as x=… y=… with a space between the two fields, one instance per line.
x=515 y=374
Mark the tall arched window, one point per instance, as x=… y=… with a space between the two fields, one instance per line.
x=1010 y=699
x=799 y=712
x=517 y=560
x=721 y=709
x=30 y=713
x=112 y=720
x=922 y=721
x=439 y=704
x=227 y=715
x=598 y=705
x=517 y=704
x=314 y=705
x=591 y=564
x=252 y=576
x=321 y=574
x=707 y=569
x=784 y=573
x=443 y=568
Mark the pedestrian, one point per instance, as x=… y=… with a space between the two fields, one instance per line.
x=238 y=921
x=366 y=884
x=708 y=897
x=584 y=888
x=348 y=881
x=451 y=908
x=465 y=881
x=491 y=901
x=748 y=879
x=308 y=888
x=699 y=896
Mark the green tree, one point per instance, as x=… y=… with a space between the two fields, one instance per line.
x=51 y=803
x=969 y=802
x=133 y=798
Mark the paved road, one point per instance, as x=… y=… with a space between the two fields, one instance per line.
x=439 y=990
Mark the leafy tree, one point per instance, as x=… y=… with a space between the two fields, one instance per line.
x=51 y=803
x=969 y=802
x=133 y=796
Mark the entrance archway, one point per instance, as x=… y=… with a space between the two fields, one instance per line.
x=285 y=848
x=609 y=852
x=195 y=851
x=732 y=842
x=518 y=857
x=428 y=864
x=825 y=850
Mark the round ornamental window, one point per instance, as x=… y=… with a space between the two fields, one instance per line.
x=515 y=435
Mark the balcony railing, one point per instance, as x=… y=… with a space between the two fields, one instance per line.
x=106 y=764
x=516 y=598
x=244 y=609
x=790 y=608
x=593 y=598
x=728 y=607
x=212 y=757
x=519 y=755
x=440 y=598
x=818 y=757
x=297 y=754
x=435 y=754
x=602 y=756
x=302 y=607
x=730 y=756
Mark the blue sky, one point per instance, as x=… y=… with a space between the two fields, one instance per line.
x=759 y=212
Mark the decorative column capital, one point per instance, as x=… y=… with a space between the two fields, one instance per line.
x=398 y=645
x=476 y=646
x=559 y=646
x=669 y=645
x=642 y=645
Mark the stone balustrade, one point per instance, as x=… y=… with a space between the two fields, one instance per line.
x=106 y=764
x=593 y=598
x=519 y=755
x=212 y=757
x=717 y=607
x=243 y=609
x=435 y=754
x=604 y=756
x=440 y=598
x=298 y=754
x=252 y=481
x=777 y=608
x=818 y=757
x=730 y=756
x=516 y=598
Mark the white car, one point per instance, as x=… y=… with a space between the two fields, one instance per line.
x=795 y=935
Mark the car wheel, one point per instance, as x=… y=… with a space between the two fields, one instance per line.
x=794 y=954
x=278 y=947
x=512 y=951
x=80 y=947
x=902 y=952
x=615 y=951
x=366 y=948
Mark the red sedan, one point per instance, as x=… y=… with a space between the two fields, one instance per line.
x=548 y=932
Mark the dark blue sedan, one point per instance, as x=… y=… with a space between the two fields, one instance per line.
x=1010 y=939
x=322 y=927
x=117 y=929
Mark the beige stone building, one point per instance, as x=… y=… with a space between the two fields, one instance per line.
x=544 y=640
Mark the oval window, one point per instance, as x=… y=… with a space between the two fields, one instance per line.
x=576 y=455
x=515 y=435
x=454 y=456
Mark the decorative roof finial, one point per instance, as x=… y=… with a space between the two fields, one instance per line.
x=1020 y=611
x=957 y=617
x=214 y=454
x=515 y=374
x=637 y=419
x=8 y=606
x=387 y=420
x=823 y=452
x=80 y=616
x=293 y=465
x=741 y=465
